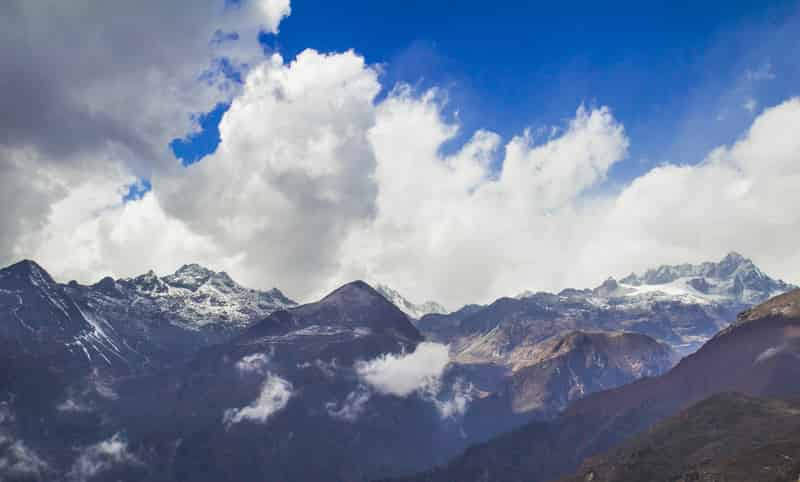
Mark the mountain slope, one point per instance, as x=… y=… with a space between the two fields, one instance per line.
x=727 y=437
x=301 y=396
x=559 y=371
x=38 y=318
x=756 y=356
x=570 y=367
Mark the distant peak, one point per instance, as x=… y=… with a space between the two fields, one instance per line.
x=354 y=287
x=354 y=293
x=25 y=265
x=733 y=256
x=192 y=276
x=28 y=268
x=192 y=268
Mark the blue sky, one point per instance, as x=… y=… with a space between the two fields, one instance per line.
x=674 y=73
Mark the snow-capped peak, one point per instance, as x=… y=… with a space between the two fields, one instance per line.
x=192 y=296
x=413 y=310
x=193 y=276
x=734 y=278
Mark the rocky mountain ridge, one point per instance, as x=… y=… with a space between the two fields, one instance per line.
x=759 y=358
x=682 y=305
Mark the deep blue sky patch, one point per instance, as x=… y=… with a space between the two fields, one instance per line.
x=137 y=190
x=200 y=144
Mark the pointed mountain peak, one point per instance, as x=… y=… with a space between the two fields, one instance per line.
x=358 y=305
x=192 y=276
x=733 y=258
x=355 y=293
x=149 y=282
x=733 y=262
x=608 y=288
x=193 y=269
x=27 y=269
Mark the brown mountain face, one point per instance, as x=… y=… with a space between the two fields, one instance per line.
x=730 y=437
x=758 y=356
x=566 y=368
x=561 y=370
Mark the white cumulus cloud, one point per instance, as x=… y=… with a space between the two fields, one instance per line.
x=406 y=373
x=318 y=181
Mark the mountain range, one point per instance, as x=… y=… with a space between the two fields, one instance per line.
x=758 y=355
x=191 y=376
x=682 y=305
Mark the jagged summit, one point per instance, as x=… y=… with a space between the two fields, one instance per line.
x=192 y=276
x=733 y=278
x=191 y=297
x=731 y=265
x=413 y=310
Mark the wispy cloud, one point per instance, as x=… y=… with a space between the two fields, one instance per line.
x=102 y=457
x=18 y=459
x=353 y=406
x=764 y=72
x=274 y=396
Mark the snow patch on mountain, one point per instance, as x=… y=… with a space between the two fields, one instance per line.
x=413 y=310
x=732 y=279
x=192 y=297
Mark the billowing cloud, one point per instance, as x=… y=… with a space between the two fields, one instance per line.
x=406 y=373
x=741 y=197
x=293 y=174
x=88 y=101
x=443 y=219
x=274 y=396
x=318 y=180
x=420 y=373
x=101 y=457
